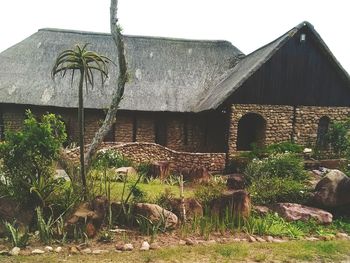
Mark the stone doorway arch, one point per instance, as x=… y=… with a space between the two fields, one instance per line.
x=251 y=130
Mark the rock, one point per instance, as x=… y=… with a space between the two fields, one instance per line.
x=333 y=190
x=312 y=239
x=11 y=211
x=86 y=251
x=58 y=249
x=154 y=246
x=261 y=210
x=14 y=251
x=212 y=241
x=119 y=247
x=237 y=202
x=145 y=246
x=343 y=236
x=196 y=175
x=259 y=239
x=190 y=242
x=74 y=250
x=48 y=249
x=38 y=252
x=99 y=251
x=160 y=169
x=125 y=171
x=251 y=239
x=269 y=239
x=235 y=182
x=294 y=212
x=275 y=240
x=88 y=216
x=327 y=237
x=128 y=247
x=5 y=252
x=192 y=206
x=155 y=213
x=182 y=242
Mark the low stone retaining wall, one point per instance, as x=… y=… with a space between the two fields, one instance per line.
x=151 y=152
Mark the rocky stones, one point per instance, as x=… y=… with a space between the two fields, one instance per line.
x=128 y=247
x=86 y=251
x=261 y=210
x=125 y=171
x=196 y=175
x=11 y=210
x=99 y=251
x=48 y=249
x=294 y=212
x=88 y=215
x=190 y=242
x=155 y=213
x=14 y=251
x=235 y=182
x=154 y=246
x=38 y=251
x=237 y=202
x=58 y=249
x=145 y=246
x=333 y=190
x=342 y=236
x=74 y=250
x=192 y=206
x=251 y=239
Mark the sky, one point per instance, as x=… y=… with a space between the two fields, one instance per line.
x=247 y=24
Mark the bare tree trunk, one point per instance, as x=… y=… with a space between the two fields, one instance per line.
x=81 y=133
x=118 y=93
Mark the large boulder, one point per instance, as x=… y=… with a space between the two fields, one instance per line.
x=196 y=175
x=235 y=181
x=192 y=207
x=294 y=212
x=11 y=211
x=155 y=213
x=237 y=202
x=333 y=190
x=89 y=216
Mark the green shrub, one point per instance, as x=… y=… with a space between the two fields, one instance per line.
x=284 y=165
x=28 y=157
x=284 y=147
x=110 y=158
x=338 y=138
x=267 y=190
x=207 y=192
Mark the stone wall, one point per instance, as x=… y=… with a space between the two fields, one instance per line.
x=307 y=120
x=279 y=122
x=13 y=118
x=151 y=152
x=285 y=122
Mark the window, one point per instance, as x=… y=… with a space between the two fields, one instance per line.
x=161 y=131
x=251 y=130
x=322 y=129
x=134 y=129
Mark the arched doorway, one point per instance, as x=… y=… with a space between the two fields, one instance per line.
x=251 y=130
x=322 y=129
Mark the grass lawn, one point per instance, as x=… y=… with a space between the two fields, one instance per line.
x=293 y=251
x=152 y=190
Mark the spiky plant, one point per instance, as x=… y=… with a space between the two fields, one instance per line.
x=86 y=63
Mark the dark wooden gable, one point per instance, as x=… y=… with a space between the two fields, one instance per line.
x=299 y=73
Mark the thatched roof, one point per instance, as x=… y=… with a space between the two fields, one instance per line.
x=235 y=77
x=165 y=74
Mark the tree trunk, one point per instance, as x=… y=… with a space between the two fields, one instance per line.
x=81 y=133
x=118 y=92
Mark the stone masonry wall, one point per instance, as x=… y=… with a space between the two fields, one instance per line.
x=279 y=121
x=308 y=117
x=151 y=152
x=13 y=118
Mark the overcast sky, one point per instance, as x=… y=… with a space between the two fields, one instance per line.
x=248 y=24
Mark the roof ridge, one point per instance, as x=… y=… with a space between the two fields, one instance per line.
x=82 y=32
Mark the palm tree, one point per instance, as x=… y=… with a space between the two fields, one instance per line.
x=85 y=62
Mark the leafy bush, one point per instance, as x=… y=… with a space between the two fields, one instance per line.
x=110 y=158
x=15 y=236
x=267 y=190
x=338 y=137
x=28 y=157
x=284 y=165
x=205 y=193
x=284 y=147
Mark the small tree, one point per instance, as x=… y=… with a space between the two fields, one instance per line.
x=85 y=62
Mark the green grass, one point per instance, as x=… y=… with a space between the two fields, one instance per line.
x=294 y=251
x=152 y=190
